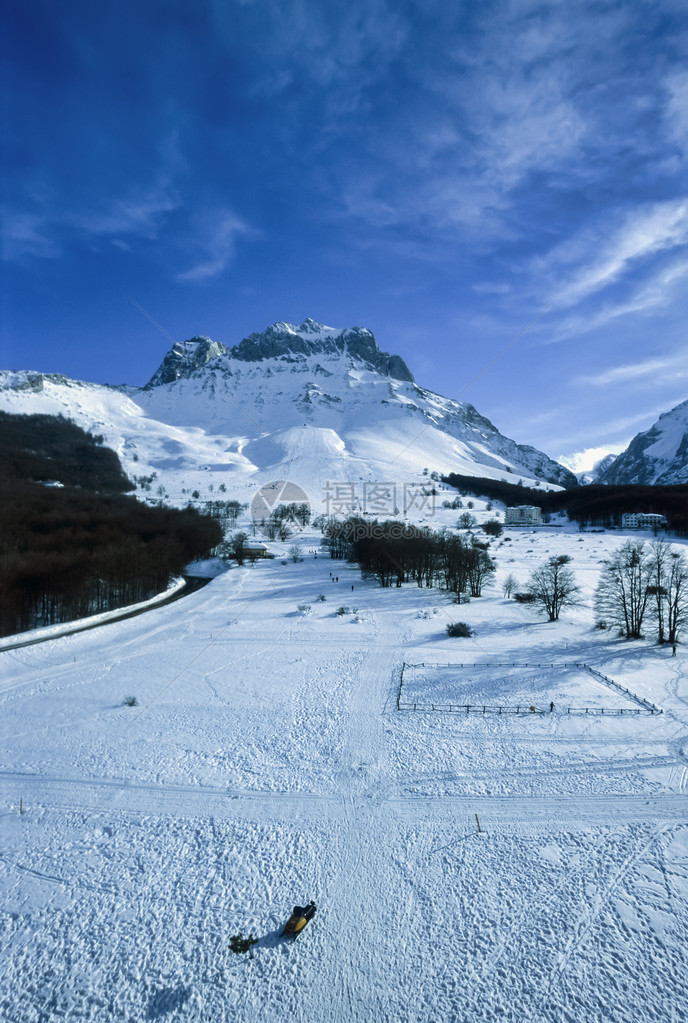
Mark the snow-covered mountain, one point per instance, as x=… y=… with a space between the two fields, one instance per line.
x=308 y=403
x=593 y=475
x=659 y=455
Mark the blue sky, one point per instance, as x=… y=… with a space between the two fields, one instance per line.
x=444 y=173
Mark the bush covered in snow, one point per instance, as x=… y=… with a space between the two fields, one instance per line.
x=459 y=629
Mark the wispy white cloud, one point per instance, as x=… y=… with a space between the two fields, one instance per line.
x=140 y=213
x=215 y=241
x=659 y=290
x=597 y=258
x=649 y=372
x=26 y=234
x=677 y=108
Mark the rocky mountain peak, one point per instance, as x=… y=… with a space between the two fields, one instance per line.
x=184 y=357
x=655 y=456
x=283 y=341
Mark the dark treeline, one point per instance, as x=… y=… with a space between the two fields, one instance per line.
x=65 y=553
x=83 y=547
x=46 y=448
x=594 y=504
x=396 y=553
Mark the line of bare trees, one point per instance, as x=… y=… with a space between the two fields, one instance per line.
x=396 y=553
x=644 y=581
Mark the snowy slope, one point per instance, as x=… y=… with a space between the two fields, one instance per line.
x=266 y=764
x=308 y=403
x=659 y=455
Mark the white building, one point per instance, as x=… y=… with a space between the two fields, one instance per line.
x=524 y=515
x=643 y=520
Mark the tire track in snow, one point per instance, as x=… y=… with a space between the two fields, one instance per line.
x=594 y=767
x=175 y=800
x=55 y=879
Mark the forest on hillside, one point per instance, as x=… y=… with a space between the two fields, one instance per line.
x=47 y=449
x=82 y=547
x=595 y=504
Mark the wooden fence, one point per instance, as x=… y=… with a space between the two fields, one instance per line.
x=642 y=705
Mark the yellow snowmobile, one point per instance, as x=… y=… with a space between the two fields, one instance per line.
x=298 y=920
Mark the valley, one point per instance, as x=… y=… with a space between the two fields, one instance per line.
x=266 y=764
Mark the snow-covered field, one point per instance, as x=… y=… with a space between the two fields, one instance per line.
x=266 y=764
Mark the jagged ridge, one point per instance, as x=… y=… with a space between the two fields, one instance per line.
x=657 y=455
x=282 y=341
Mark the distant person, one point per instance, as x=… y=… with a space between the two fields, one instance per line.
x=551 y=706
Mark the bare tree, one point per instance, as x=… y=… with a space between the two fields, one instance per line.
x=676 y=586
x=283 y=531
x=236 y=544
x=467 y=521
x=509 y=585
x=554 y=586
x=295 y=552
x=481 y=568
x=660 y=552
x=623 y=590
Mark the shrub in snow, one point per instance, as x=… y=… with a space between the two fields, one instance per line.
x=459 y=629
x=238 y=943
x=130 y=701
x=524 y=598
x=304 y=608
x=492 y=527
x=321 y=596
x=342 y=610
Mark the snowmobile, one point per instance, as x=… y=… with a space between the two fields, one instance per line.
x=298 y=920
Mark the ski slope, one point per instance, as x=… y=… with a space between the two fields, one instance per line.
x=266 y=764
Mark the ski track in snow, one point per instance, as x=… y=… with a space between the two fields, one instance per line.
x=266 y=764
